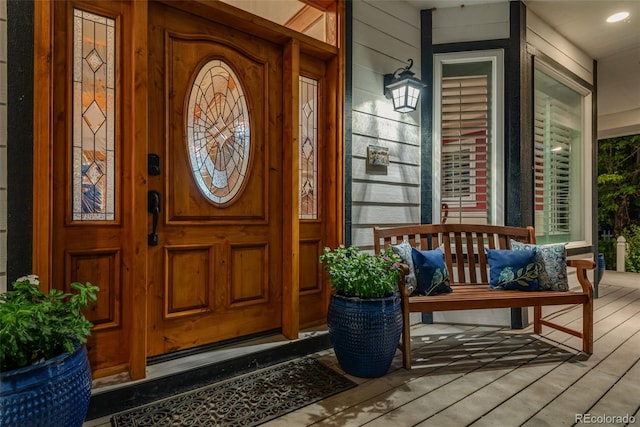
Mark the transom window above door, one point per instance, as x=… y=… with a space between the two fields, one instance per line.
x=315 y=18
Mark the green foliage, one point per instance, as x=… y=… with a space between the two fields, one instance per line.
x=607 y=246
x=361 y=274
x=632 y=260
x=618 y=181
x=35 y=326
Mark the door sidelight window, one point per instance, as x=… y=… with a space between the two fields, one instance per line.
x=94 y=117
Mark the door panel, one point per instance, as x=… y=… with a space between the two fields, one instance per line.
x=187 y=203
x=216 y=272
x=91 y=175
x=313 y=293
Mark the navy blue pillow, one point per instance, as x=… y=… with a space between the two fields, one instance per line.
x=513 y=270
x=431 y=272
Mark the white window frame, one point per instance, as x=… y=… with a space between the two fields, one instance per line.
x=586 y=175
x=496 y=154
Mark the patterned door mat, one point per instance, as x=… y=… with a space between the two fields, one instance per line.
x=247 y=400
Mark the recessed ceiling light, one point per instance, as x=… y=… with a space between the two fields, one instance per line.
x=617 y=17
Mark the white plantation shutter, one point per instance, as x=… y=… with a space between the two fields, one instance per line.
x=465 y=139
x=554 y=126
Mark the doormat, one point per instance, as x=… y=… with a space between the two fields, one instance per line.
x=247 y=400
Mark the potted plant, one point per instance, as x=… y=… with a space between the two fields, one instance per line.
x=45 y=377
x=365 y=315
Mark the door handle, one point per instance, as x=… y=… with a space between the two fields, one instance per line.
x=153 y=206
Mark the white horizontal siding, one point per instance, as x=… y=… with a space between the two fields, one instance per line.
x=385 y=35
x=386 y=193
x=398 y=152
x=395 y=173
x=542 y=38
x=397 y=11
x=381 y=127
x=470 y=23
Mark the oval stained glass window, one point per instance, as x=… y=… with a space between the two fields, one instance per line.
x=218 y=132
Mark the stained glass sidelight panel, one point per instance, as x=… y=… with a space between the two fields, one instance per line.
x=218 y=132
x=308 y=148
x=94 y=93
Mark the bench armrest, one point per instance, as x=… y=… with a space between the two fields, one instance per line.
x=581 y=266
x=402 y=284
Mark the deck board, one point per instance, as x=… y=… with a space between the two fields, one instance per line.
x=622 y=398
x=488 y=376
x=582 y=395
x=504 y=378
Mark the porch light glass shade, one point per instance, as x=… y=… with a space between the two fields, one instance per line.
x=405 y=93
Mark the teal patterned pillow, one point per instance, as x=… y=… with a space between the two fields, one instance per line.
x=553 y=262
x=513 y=270
x=404 y=251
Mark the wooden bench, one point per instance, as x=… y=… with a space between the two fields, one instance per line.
x=469 y=276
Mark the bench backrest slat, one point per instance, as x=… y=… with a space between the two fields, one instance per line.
x=463 y=244
x=482 y=257
x=471 y=258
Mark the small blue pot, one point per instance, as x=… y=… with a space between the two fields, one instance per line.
x=52 y=393
x=601 y=266
x=365 y=333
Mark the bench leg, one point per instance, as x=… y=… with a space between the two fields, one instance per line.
x=405 y=342
x=537 y=316
x=587 y=327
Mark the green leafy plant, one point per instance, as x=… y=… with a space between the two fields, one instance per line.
x=632 y=259
x=607 y=246
x=619 y=182
x=355 y=273
x=35 y=326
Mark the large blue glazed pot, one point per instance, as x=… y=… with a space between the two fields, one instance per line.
x=52 y=393
x=365 y=333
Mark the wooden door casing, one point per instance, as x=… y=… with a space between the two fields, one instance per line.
x=313 y=299
x=216 y=273
x=93 y=251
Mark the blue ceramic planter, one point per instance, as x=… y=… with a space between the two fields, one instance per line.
x=365 y=333
x=53 y=393
x=601 y=266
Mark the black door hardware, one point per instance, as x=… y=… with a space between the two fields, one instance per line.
x=153 y=205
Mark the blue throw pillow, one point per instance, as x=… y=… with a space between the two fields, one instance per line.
x=513 y=270
x=431 y=272
x=552 y=261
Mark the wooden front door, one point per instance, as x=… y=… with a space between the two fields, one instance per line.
x=243 y=193
x=215 y=108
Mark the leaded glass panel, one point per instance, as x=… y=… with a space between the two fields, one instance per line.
x=218 y=132
x=308 y=148
x=94 y=115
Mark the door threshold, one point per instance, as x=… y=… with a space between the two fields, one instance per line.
x=115 y=394
x=214 y=349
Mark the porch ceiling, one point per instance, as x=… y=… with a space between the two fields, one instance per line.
x=616 y=47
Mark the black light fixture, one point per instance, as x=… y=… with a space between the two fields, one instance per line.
x=403 y=88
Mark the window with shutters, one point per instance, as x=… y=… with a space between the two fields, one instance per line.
x=559 y=157
x=468 y=138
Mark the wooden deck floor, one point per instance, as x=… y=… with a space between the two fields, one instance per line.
x=487 y=376
x=480 y=376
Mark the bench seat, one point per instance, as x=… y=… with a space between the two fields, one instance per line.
x=464 y=246
x=479 y=296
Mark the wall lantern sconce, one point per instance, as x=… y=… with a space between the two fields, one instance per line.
x=403 y=88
